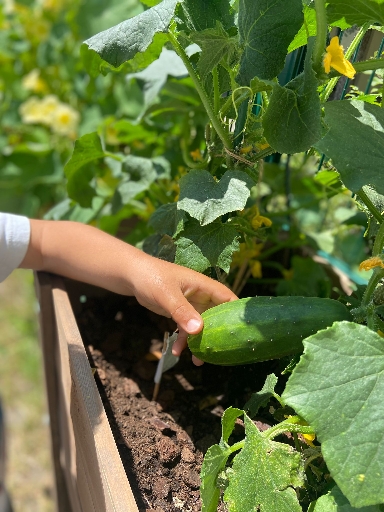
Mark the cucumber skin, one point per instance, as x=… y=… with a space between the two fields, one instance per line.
x=257 y=329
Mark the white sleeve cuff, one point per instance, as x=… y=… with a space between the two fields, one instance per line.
x=15 y=232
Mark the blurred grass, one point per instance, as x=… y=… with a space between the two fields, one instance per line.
x=29 y=470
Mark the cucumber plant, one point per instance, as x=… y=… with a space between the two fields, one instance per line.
x=221 y=68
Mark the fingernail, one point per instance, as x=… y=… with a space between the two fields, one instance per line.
x=193 y=325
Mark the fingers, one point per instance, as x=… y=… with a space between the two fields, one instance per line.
x=180 y=344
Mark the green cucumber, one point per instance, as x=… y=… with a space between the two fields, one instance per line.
x=262 y=328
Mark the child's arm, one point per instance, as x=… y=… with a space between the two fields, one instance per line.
x=87 y=254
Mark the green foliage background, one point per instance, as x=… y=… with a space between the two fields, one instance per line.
x=152 y=120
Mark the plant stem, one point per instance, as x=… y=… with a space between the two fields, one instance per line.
x=216 y=124
x=216 y=90
x=237 y=446
x=379 y=241
x=321 y=36
x=376 y=277
x=367 y=65
x=287 y=426
x=371 y=207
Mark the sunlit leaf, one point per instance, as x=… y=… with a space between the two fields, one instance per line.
x=264 y=475
x=206 y=199
x=338 y=388
x=122 y=42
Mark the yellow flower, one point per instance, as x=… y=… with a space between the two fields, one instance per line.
x=196 y=155
x=261 y=146
x=258 y=221
x=245 y=150
x=60 y=117
x=65 y=120
x=288 y=274
x=309 y=438
x=256 y=269
x=334 y=58
x=246 y=252
x=33 y=82
x=371 y=263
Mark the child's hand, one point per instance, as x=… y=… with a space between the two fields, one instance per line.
x=179 y=293
x=87 y=254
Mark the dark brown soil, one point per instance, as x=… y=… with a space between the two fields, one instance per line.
x=162 y=442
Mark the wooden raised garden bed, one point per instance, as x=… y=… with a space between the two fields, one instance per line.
x=114 y=448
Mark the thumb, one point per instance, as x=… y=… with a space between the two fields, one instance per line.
x=187 y=318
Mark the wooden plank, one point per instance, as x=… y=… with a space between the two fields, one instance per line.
x=104 y=484
x=48 y=341
x=68 y=444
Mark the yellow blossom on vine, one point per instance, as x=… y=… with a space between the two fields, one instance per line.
x=196 y=155
x=288 y=274
x=246 y=252
x=371 y=263
x=259 y=220
x=245 y=150
x=334 y=58
x=256 y=269
x=309 y=438
x=261 y=146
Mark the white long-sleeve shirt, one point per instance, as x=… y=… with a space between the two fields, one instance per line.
x=15 y=232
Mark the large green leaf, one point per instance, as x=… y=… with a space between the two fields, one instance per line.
x=335 y=501
x=95 y=65
x=355 y=142
x=264 y=475
x=78 y=171
x=357 y=12
x=266 y=29
x=292 y=122
x=206 y=199
x=215 y=460
x=215 y=45
x=338 y=388
x=202 y=247
x=122 y=42
x=200 y=14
